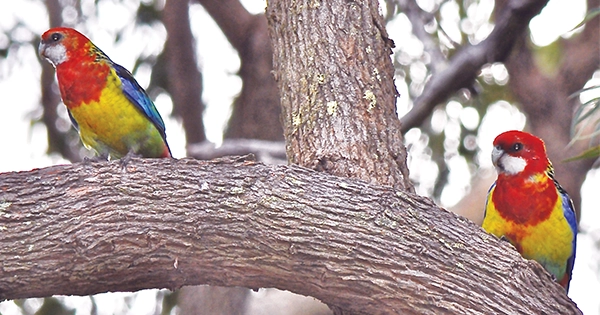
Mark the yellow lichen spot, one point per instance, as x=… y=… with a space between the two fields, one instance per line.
x=4 y=205
x=296 y=120
x=236 y=190
x=331 y=107
x=369 y=96
x=320 y=78
x=314 y=4
x=376 y=74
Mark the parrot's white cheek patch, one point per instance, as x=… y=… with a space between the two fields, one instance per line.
x=511 y=164
x=56 y=54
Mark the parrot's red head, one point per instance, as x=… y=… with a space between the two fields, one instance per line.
x=62 y=44
x=517 y=152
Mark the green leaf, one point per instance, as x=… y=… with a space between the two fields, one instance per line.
x=593 y=152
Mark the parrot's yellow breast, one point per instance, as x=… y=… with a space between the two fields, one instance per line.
x=548 y=241
x=112 y=124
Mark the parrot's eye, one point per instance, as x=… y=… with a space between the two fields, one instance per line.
x=56 y=37
x=517 y=147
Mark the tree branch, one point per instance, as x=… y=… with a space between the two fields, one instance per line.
x=417 y=18
x=235 y=29
x=467 y=62
x=98 y=227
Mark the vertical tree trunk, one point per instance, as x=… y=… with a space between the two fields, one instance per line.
x=185 y=80
x=256 y=111
x=333 y=67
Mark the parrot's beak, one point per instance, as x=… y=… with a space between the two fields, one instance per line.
x=497 y=153
x=54 y=53
x=42 y=50
x=506 y=163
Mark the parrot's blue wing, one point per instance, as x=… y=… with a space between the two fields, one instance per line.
x=136 y=94
x=571 y=217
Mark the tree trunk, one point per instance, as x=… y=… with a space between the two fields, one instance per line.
x=256 y=111
x=333 y=67
x=185 y=80
x=155 y=223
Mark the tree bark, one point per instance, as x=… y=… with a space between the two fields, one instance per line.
x=155 y=223
x=333 y=67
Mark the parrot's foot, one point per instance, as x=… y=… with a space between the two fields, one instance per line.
x=127 y=158
x=95 y=159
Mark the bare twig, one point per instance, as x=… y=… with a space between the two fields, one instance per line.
x=466 y=64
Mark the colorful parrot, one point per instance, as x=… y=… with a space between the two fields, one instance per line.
x=111 y=111
x=528 y=207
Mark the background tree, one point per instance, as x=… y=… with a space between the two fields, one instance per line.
x=247 y=34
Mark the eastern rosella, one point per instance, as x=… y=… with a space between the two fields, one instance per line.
x=528 y=207
x=113 y=114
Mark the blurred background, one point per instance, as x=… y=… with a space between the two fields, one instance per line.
x=206 y=64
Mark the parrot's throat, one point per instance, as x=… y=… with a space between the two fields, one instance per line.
x=81 y=80
x=525 y=200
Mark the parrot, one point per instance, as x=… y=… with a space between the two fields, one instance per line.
x=111 y=111
x=527 y=206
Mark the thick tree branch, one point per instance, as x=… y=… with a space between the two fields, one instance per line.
x=98 y=227
x=235 y=29
x=465 y=65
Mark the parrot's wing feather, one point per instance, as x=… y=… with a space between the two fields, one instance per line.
x=569 y=212
x=73 y=121
x=570 y=216
x=136 y=94
x=488 y=198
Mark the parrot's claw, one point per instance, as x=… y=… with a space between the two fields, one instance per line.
x=95 y=159
x=127 y=158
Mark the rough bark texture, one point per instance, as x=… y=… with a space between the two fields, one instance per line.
x=332 y=64
x=256 y=111
x=185 y=80
x=367 y=249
